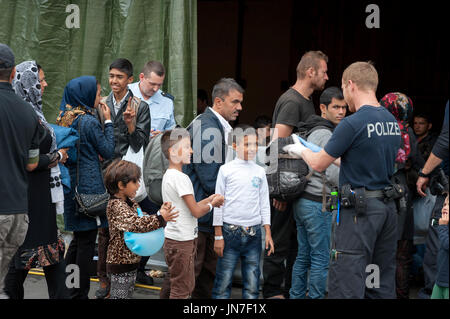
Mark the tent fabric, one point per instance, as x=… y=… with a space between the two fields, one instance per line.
x=139 y=30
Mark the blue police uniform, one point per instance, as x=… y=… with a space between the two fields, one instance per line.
x=161 y=108
x=365 y=240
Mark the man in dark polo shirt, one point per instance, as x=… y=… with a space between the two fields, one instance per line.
x=19 y=153
x=294 y=106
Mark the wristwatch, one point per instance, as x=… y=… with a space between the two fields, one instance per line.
x=421 y=174
x=218 y=237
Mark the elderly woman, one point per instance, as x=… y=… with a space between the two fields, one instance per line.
x=43 y=247
x=81 y=96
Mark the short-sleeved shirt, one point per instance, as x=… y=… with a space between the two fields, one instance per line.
x=292 y=108
x=20 y=135
x=175 y=185
x=367 y=143
x=161 y=109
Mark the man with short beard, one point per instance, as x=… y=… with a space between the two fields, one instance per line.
x=294 y=106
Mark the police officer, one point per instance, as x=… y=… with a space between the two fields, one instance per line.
x=160 y=103
x=365 y=145
x=148 y=89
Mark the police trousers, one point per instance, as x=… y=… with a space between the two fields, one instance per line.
x=364 y=247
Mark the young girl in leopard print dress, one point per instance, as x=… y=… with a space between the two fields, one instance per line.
x=122 y=182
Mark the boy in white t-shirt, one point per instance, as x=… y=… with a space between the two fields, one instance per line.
x=181 y=236
x=238 y=223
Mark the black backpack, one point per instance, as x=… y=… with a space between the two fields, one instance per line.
x=288 y=178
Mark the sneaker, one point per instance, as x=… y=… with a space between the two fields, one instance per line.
x=142 y=278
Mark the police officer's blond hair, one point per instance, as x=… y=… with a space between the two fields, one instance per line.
x=363 y=74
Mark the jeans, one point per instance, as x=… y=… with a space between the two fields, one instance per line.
x=246 y=246
x=313 y=234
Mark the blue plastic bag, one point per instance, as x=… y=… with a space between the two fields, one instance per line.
x=144 y=244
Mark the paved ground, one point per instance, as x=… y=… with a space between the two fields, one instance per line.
x=36 y=288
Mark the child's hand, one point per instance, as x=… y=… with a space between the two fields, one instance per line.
x=219 y=245
x=167 y=212
x=217 y=200
x=269 y=242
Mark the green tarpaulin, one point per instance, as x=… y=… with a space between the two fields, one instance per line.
x=141 y=30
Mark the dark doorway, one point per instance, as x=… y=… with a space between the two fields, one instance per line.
x=259 y=42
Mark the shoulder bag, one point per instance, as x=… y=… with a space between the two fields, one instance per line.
x=92 y=205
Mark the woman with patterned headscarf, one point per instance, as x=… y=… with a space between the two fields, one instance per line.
x=77 y=110
x=43 y=247
x=408 y=162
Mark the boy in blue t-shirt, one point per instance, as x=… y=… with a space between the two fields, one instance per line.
x=238 y=223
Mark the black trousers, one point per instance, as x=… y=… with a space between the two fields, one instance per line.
x=81 y=252
x=54 y=275
x=368 y=239
x=277 y=268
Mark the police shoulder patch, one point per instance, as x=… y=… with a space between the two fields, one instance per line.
x=165 y=94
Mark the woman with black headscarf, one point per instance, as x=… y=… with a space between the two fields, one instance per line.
x=81 y=96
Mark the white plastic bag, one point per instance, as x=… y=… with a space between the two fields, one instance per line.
x=138 y=159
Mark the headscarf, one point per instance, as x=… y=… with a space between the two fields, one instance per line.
x=401 y=107
x=26 y=84
x=78 y=98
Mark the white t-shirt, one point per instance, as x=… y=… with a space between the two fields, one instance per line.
x=176 y=184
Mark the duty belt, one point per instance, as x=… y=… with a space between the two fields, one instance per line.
x=374 y=194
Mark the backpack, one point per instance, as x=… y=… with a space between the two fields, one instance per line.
x=154 y=166
x=288 y=181
x=292 y=175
